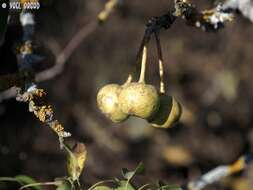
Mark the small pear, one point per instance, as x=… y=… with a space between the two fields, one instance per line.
x=108 y=102
x=139 y=99
x=169 y=112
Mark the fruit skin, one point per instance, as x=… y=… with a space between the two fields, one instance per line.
x=108 y=102
x=169 y=112
x=139 y=99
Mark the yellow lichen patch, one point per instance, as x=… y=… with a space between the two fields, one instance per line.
x=25 y=48
x=44 y=112
x=237 y=166
x=207 y=14
x=40 y=93
x=180 y=7
x=57 y=127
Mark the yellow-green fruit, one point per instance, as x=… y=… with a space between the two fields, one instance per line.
x=139 y=99
x=169 y=112
x=108 y=102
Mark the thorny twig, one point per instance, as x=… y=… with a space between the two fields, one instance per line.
x=30 y=93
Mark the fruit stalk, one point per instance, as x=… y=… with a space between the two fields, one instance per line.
x=161 y=63
x=143 y=64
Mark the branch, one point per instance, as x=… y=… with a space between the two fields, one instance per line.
x=75 y=42
x=65 y=54
x=208 y=20
x=30 y=93
x=219 y=173
x=44 y=112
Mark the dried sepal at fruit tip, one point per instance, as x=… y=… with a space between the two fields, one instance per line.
x=108 y=102
x=129 y=80
x=168 y=113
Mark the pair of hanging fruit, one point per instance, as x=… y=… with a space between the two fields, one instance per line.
x=139 y=99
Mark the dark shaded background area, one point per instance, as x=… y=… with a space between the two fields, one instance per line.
x=211 y=74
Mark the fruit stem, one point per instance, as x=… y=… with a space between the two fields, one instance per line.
x=161 y=63
x=143 y=64
x=129 y=79
x=145 y=41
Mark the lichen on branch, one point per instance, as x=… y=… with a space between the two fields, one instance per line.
x=37 y=105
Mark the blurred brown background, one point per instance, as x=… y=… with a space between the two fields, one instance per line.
x=209 y=73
